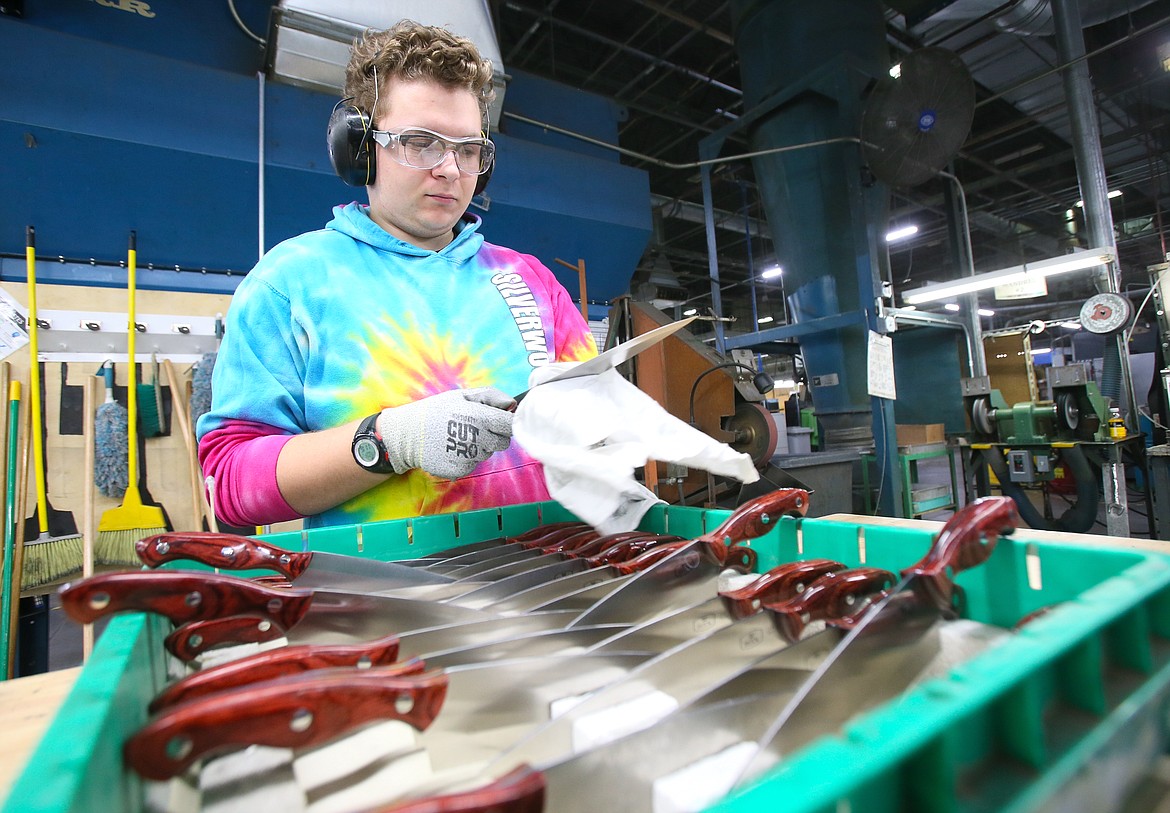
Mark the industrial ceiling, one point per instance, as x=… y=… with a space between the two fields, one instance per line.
x=672 y=64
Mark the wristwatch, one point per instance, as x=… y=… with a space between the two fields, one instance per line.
x=367 y=447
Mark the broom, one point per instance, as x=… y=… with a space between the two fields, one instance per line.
x=46 y=558
x=121 y=527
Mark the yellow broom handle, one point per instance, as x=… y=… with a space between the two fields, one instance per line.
x=30 y=256
x=132 y=384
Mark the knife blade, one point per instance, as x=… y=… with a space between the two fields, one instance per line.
x=302 y=568
x=615 y=355
x=691 y=669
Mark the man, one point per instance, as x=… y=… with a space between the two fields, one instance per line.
x=366 y=368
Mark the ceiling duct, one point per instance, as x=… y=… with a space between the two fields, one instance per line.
x=309 y=40
x=1025 y=18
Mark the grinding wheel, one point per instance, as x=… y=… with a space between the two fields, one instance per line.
x=755 y=432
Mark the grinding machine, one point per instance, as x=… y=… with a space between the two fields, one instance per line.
x=1046 y=444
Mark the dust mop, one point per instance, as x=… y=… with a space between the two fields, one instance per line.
x=47 y=559
x=110 y=439
x=121 y=527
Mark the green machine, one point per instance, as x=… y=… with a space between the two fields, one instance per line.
x=1077 y=411
x=1025 y=443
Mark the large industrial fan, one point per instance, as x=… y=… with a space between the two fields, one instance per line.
x=913 y=125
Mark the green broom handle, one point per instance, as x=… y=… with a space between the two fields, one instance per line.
x=34 y=384
x=132 y=384
x=9 y=526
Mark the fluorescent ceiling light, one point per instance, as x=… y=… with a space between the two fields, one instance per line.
x=763 y=320
x=1070 y=325
x=690 y=311
x=772 y=273
x=901 y=234
x=1004 y=276
x=951 y=306
x=1040 y=351
x=1115 y=193
x=986 y=312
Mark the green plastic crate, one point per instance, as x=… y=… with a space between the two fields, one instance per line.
x=1064 y=716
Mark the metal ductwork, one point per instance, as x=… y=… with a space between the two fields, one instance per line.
x=1025 y=18
x=805 y=67
x=309 y=40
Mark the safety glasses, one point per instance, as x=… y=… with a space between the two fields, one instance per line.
x=420 y=148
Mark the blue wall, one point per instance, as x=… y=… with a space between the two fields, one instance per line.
x=111 y=121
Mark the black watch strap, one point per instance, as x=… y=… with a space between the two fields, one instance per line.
x=367 y=447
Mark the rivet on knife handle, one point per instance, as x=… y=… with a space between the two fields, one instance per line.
x=834 y=595
x=180 y=596
x=757 y=517
x=966 y=540
x=224 y=551
x=522 y=790
x=778 y=584
x=291 y=712
x=192 y=639
x=288 y=660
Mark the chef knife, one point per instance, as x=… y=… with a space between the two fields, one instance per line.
x=876 y=659
x=486 y=705
x=616 y=355
x=308 y=616
x=302 y=568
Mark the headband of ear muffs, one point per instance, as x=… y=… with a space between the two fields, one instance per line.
x=350 y=151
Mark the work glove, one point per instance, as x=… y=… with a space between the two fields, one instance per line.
x=448 y=434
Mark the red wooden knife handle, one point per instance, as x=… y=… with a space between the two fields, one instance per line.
x=519 y=791
x=596 y=546
x=628 y=549
x=224 y=551
x=180 y=596
x=835 y=595
x=287 y=660
x=289 y=712
x=778 y=584
x=543 y=530
x=756 y=517
x=553 y=536
x=571 y=541
x=196 y=637
x=966 y=540
x=650 y=557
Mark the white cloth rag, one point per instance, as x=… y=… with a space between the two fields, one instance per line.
x=592 y=432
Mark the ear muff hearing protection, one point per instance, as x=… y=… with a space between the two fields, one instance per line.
x=351 y=148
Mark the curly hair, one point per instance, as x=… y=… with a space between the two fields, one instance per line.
x=413 y=51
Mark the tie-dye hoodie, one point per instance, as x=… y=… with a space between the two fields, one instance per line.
x=336 y=324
